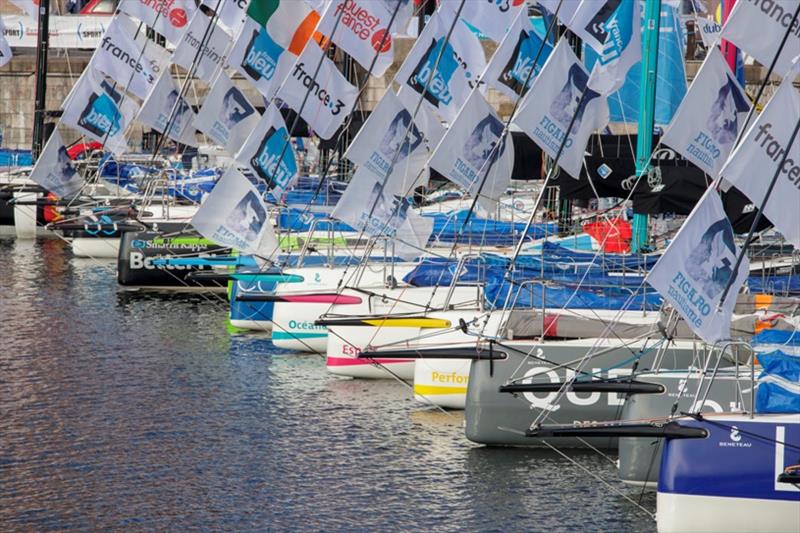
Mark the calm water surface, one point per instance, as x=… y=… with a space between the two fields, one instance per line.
x=137 y=411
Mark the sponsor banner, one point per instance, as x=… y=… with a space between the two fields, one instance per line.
x=262 y=152
x=552 y=101
x=383 y=214
x=491 y=17
x=621 y=49
x=758 y=27
x=710 y=31
x=235 y=215
x=99 y=111
x=5 y=48
x=213 y=55
x=475 y=141
x=82 y=31
x=708 y=121
x=231 y=12
x=330 y=96
x=54 y=169
x=362 y=31
x=168 y=17
x=389 y=135
x=163 y=100
x=227 y=117
x=459 y=68
x=513 y=61
x=696 y=267
x=754 y=162
x=135 y=65
x=272 y=36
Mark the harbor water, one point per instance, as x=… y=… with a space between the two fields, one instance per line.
x=130 y=410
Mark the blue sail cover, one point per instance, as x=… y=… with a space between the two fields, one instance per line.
x=671 y=83
x=779 y=383
x=449 y=227
x=785 y=284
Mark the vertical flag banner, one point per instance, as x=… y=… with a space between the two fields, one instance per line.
x=54 y=169
x=621 y=49
x=5 y=48
x=273 y=35
x=491 y=17
x=235 y=215
x=462 y=61
x=158 y=107
x=551 y=103
x=565 y=12
x=697 y=265
x=122 y=58
x=231 y=12
x=363 y=31
x=708 y=121
x=331 y=96
x=754 y=162
x=382 y=139
x=512 y=63
x=167 y=17
x=214 y=51
x=99 y=111
x=227 y=116
x=475 y=141
x=758 y=27
x=262 y=150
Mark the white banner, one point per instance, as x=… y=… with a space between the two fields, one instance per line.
x=159 y=106
x=262 y=152
x=331 y=97
x=5 y=48
x=227 y=116
x=513 y=61
x=125 y=60
x=491 y=17
x=383 y=214
x=426 y=120
x=461 y=63
x=54 y=169
x=563 y=9
x=235 y=215
x=710 y=31
x=99 y=111
x=468 y=148
x=362 y=31
x=754 y=162
x=758 y=27
x=707 y=122
x=213 y=55
x=84 y=31
x=621 y=50
x=693 y=272
x=167 y=17
x=382 y=139
x=590 y=21
x=269 y=43
x=551 y=103
x=231 y=12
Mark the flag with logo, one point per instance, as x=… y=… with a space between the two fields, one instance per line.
x=227 y=116
x=99 y=111
x=268 y=152
x=554 y=98
x=231 y=12
x=709 y=29
x=383 y=214
x=512 y=63
x=491 y=17
x=563 y=9
x=272 y=36
x=362 y=31
x=390 y=144
x=621 y=47
x=330 y=96
x=165 y=104
x=235 y=215
x=460 y=62
x=167 y=17
x=124 y=59
x=425 y=119
x=697 y=265
x=476 y=153
x=54 y=170
x=31 y=7
x=752 y=165
x=214 y=51
x=5 y=48
x=710 y=116
x=758 y=28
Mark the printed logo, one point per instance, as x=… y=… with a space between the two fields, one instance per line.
x=235 y=108
x=178 y=18
x=438 y=83
x=518 y=69
x=101 y=116
x=387 y=214
x=265 y=162
x=710 y=265
x=597 y=25
x=335 y=105
x=363 y=24
x=243 y=224
x=735 y=440
x=395 y=144
x=261 y=56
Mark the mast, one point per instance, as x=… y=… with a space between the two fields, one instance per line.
x=647 y=99
x=42 y=46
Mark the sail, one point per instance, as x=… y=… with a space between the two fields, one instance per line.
x=165 y=103
x=227 y=116
x=170 y=19
x=268 y=152
x=54 y=169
